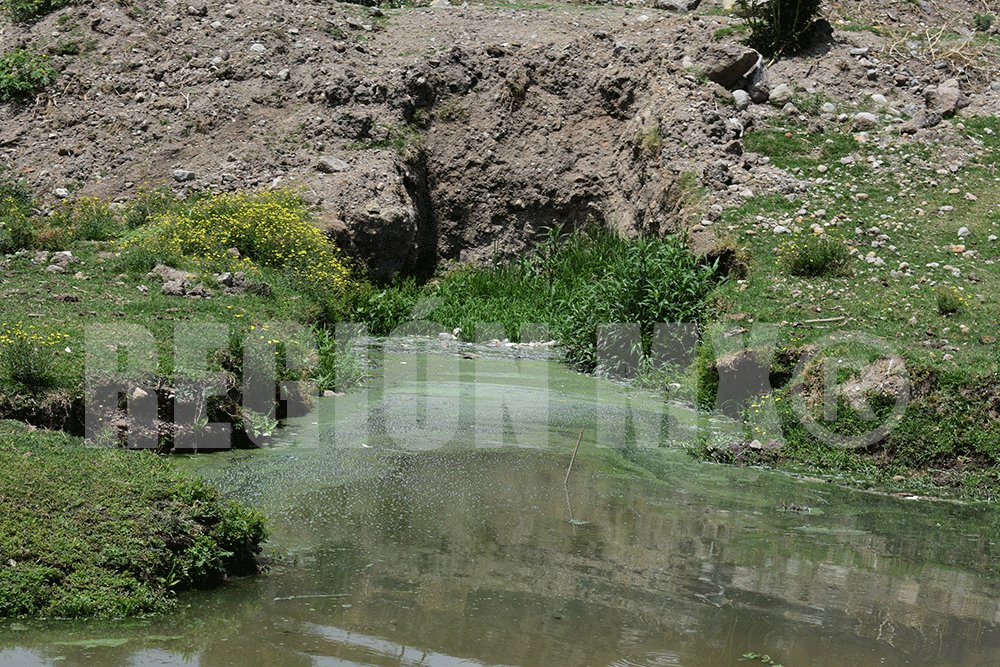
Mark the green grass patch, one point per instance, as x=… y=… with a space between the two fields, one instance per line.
x=25 y=11
x=104 y=532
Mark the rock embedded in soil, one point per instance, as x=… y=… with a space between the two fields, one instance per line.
x=725 y=64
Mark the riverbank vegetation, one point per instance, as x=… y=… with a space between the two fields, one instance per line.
x=103 y=532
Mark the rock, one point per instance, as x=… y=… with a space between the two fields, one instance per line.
x=946 y=98
x=66 y=298
x=963 y=232
x=859 y=51
x=257 y=47
x=828 y=107
x=757 y=84
x=865 y=121
x=725 y=64
x=284 y=75
x=921 y=120
x=991 y=238
x=780 y=95
x=789 y=109
x=781 y=229
x=332 y=165
x=138 y=394
x=183 y=175
x=880 y=100
x=173 y=288
x=55 y=268
x=677 y=5
x=197 y=10
x=167 y=274
x=741 y=100
x=61 y=193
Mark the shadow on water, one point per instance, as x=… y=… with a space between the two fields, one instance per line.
x=432 y=546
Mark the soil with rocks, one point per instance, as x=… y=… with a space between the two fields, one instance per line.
x=429 y=134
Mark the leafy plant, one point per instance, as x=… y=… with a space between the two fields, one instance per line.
x=23 y=74
x=779 y=27
x=30 y=10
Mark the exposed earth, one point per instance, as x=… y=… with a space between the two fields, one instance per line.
x=427 y=134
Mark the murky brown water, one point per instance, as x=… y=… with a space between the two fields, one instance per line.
x=482 y=556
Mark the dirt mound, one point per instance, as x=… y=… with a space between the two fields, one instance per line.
x=430 y=134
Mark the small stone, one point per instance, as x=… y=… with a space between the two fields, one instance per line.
x=991 y=238
x=173 y=288
x=781 y=94
x=741 y=100
x=828 y=107
x=822 y=169
x=781 y=229
x=880 y=100
x=283 y=75
x=138 y=394
x=61 y=193
x=183 y=175
x=257 y=47
x=963 y=232
x=859 y=51
x=332 y=165
x=865 y=121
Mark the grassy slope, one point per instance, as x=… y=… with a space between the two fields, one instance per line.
x=105 y=532
x=949 y=441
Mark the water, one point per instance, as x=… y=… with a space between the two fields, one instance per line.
x=437 y=530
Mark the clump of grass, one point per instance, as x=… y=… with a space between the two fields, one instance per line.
x=87 y=219
x=16 y=209
x=983 y=21
x=24 y=74
x=27 y=355
x=949 y=301
x=779 y=27
x=815 y=255
x=24 y=11
x=649 y=142
x=570 y=284
x=105 y=532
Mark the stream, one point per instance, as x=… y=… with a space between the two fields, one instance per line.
x=428 y=520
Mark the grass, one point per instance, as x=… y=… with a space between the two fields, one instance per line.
x=906 y=280
x=108 y=533
x=569 y=286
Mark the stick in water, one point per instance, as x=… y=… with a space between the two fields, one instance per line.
x=570 y=468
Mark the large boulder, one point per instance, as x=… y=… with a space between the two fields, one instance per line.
x=946 y=98
x=727 y=64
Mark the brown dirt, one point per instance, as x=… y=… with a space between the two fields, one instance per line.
x=436 y=134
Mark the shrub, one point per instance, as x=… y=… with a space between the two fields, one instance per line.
x=272 y=229
x=30 y=10
x=779 y=27
x=949 y=301
x=87 y=219
x=16 y=227
x=816 y=255
x=983 y=22
x=23 y=74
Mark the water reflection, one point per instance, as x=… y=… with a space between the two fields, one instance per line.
x=484 y=557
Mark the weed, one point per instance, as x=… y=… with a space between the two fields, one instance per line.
x=649 y=142
x=983 y=22
x=23 y=74
x=779 y=27
x=452 y=110
x=27 y=363
x=812 y=255
x=24 y=11
x=949 y=301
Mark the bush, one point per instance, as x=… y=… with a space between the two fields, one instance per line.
x=30 y=10
x=983 y=22
x=87 y=219
x=816 y=255
x=272 y=229
x=949 y=301
x=779 y=27
x=23 y=74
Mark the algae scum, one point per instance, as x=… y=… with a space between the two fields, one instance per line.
x=438 y=529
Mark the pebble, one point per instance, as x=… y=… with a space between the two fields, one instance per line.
x=963 y=232
x=991 y=238
x=741 y=100
x=61 y=193
x=781 y=229
x=865 y=121
x=257 y=47
x=183 y=175
x=828 y=107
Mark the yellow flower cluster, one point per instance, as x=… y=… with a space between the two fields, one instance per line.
x=273 y=229
x=18 y=332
